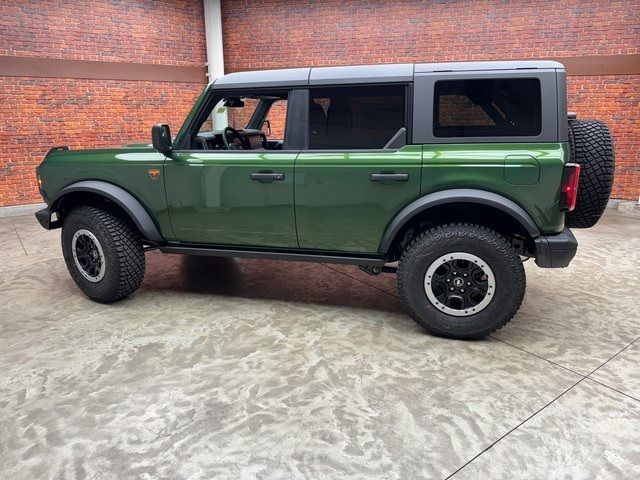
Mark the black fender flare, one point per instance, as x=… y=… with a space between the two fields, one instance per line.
x=120 y=197
x=457 y=195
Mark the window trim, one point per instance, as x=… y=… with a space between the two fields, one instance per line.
x=424 y=97
x=408 y=96
x=260 y=111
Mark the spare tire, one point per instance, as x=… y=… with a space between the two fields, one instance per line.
x=592 y=148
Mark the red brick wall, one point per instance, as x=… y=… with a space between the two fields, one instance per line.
x=169 y=32
x=614 y=99
x=287 y=33
x=37 y=113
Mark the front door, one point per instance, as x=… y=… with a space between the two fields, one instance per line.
x=237 y=192
x=232 y=198
x=353 y=177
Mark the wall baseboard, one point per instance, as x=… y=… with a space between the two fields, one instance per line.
x=629 y=209
x=16 y=210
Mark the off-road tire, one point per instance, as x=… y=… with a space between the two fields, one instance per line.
x=122 y=247
x=592 y=148
x=495 y=250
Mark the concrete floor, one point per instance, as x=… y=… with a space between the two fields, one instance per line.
x=220 y=368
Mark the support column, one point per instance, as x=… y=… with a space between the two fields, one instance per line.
x=215 y=53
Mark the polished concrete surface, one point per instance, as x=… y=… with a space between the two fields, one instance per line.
x=220 y=368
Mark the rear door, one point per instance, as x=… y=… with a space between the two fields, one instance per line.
x=356 y=173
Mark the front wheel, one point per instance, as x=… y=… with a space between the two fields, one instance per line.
x=103 y=253
x=461 y=280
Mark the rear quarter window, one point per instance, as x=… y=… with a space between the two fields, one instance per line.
x=487 y=108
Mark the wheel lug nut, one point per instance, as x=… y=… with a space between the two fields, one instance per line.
x=448 y=279
x=451 y=289
x=464 y=274
x=468 y=284
x=462 y=290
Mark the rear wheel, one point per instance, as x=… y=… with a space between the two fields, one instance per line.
x=103 y=253
x=461 y=280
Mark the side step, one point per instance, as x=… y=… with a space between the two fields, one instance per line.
x=275 y=255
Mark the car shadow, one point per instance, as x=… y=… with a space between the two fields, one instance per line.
x=298 y=282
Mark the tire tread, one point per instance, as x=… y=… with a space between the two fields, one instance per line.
x=592 y=148
x=444 y=233
x=129 y=252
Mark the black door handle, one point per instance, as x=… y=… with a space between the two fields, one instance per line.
x=389 y=177
x=271 y=177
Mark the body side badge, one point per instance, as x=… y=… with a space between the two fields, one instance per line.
x=154 y=173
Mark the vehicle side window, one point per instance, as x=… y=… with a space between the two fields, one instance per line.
x=259 y=120
x=232 y=111
x=355 y=117
x=238 y=116
x=237 y=112
x=274 y=124
x=487 y=108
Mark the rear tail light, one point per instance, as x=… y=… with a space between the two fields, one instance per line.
x=569 y=187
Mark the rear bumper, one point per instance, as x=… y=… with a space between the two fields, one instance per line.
x=555 y=251
x=44 y=218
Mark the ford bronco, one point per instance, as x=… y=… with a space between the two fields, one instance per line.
x=456 y=171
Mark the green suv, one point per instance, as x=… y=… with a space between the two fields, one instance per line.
x=457 y=171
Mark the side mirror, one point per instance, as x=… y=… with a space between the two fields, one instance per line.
x=267 y=124
x=161 y=138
